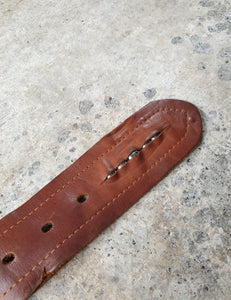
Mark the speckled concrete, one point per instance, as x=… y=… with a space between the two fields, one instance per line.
x=70 y=71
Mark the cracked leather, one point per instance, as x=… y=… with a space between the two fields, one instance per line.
x=29 y=256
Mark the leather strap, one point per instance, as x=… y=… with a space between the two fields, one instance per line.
x=67 y=214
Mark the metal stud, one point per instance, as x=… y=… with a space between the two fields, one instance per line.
x=120 y=166
x=155 y=136
x=146 y=143
x=133 y=153
x=109 y=176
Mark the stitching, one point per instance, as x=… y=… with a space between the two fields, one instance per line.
x=100 y=210
x=85 y=169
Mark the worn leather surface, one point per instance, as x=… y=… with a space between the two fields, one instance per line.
x=37 y=254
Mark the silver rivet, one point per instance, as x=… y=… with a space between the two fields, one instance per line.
x=146 y=143
x=108 y=176
x=131 y=155
x=155 y=136
x=121 y=165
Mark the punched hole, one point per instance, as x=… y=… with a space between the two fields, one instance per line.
x=47 y=227
x=8 y=258
x=82 y=198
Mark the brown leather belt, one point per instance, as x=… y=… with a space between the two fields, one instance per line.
x=67 y=214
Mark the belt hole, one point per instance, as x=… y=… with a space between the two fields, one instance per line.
x=47 y=227
x=8 y=258
x=82 y=198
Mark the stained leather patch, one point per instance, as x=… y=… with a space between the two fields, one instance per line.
x=67 y=214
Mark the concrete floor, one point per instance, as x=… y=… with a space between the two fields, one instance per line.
x=60 y=61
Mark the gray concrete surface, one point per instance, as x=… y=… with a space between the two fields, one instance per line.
x=70 y=71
